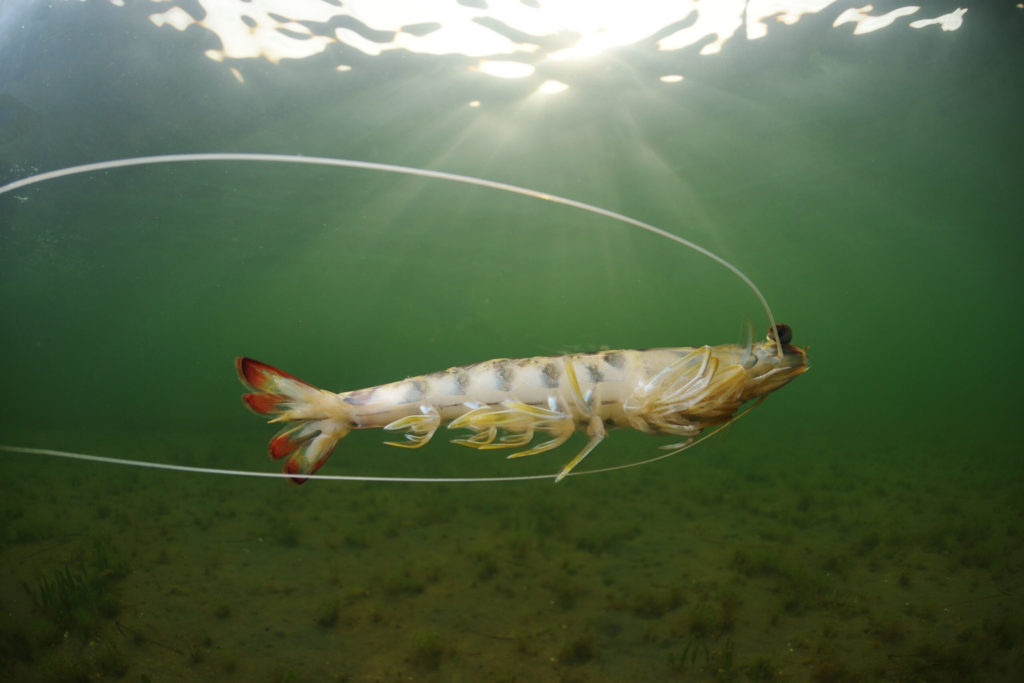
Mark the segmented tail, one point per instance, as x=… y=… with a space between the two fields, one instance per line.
x=317 y=418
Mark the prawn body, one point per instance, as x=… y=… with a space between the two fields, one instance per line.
x=506 y=403
x=500 y=403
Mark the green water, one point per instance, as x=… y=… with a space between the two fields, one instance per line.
x=865 y=523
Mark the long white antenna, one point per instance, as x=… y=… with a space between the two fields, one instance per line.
x=390 y=168
x=387 y=168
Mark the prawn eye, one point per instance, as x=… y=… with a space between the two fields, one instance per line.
x=785 y=334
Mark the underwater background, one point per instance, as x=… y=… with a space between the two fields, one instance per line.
x=862 y=166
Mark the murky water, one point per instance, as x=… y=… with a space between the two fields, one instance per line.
x=863 y=524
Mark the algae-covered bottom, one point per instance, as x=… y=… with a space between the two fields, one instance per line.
x=719 y=565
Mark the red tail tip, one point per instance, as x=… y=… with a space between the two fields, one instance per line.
x=283 y=444
x=292 y=467
x=262 y=403
x=255 y=374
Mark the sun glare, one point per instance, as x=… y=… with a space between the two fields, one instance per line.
x=505 y=38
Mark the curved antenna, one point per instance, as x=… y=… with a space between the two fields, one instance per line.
x=403 y=170
x=146 y=464
x=393 y=168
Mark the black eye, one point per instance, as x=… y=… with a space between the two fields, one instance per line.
x=785 y=334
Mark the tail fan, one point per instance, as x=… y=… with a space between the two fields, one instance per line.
x=316 y=419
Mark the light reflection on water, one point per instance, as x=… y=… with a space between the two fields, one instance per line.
x=512 y=38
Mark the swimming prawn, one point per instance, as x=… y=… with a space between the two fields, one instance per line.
x=504 y=403
x=500 y=403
